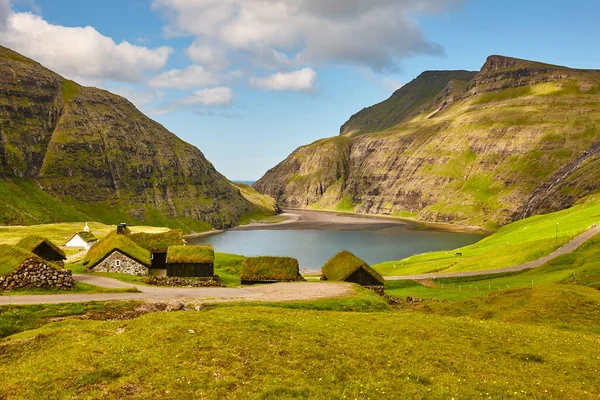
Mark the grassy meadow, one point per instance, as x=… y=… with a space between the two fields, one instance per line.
x=61 y=232
x=582 y=268
x=513 y=244
x=267 y=352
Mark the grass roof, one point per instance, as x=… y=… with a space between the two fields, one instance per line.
x=87 y=237
x=270 y=269
x=190 y=255
x=120 y=242
x=158 y=241
x=30 y=243
x=344 y=264
x=12 y=257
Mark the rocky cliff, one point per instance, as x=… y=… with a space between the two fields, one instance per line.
x=69 y=152
x=517 y=138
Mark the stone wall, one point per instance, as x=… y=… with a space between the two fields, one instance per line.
x=128 y=266
x=179 y=282
x=35 y=273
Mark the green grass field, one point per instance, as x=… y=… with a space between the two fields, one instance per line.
x=61 y=232
x=272 y=353
x=513 y=244
x=581 y=267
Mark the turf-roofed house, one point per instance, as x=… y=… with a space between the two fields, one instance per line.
x=191 y=261
x=158 y=245
x=270 y=270
x=81 y=240
x=20 y=269
x=43 y=248
x=346 y=267
x=117 y=253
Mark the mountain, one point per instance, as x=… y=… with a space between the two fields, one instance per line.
x=74 y=153
x=487 y=148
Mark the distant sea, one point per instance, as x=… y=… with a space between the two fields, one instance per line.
x=246 y=182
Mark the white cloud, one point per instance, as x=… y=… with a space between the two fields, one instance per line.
x=198 y=102
x=187 y=78
x=373 y=33
x=139 y=96
x=5 y=11
x=211 y=57
x=221 y=96
x=78 y=52
x=302 y=80
x=391 y=85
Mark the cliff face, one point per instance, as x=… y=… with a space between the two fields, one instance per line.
x=519 y=138
x=100 y=157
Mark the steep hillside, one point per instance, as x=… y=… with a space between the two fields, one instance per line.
x=519 y=138
x=430 y=89
x=69 y=152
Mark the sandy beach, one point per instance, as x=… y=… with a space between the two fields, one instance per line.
x=326 y=220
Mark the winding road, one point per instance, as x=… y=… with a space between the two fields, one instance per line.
x=571 y=246
x=275 y=292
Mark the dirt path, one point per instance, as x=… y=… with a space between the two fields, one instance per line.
x=275 y=292
x=566 y=249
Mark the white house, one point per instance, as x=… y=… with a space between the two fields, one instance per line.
x=82 y=240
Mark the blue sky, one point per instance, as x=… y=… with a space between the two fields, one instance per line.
x=248 y=81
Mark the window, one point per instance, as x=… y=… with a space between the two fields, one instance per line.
x=118 y=263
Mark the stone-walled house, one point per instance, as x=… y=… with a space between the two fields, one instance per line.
x=43 y=248
x=21 y=269
x=191 y=261
x=119 y=254
x=346 y=267
x=158 y=245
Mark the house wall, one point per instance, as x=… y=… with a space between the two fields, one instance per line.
x=76 y=241
x=363 y=278
x=191 y=270
x=159 y=260
x=128 y=266
x=47 y=253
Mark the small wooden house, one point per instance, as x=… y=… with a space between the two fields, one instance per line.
x=270 y=270
x=117 y=253
x=191 y=261
x=82 y=240
x=43 y=248
x=346 y=267
x=158 y=244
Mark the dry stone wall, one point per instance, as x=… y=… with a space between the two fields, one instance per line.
x=35 y=273
x=126 y=265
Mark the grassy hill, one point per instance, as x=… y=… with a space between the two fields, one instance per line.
x=513 y=244
x=520 y=138
x=418 y=96
x=75 y=153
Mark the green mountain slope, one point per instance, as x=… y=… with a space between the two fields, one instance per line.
x=69 y=153
x=518 y=139
x=420 y=95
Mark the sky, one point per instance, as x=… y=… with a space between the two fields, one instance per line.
x=248 y=81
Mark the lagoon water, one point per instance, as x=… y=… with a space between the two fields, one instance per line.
x=313 y=248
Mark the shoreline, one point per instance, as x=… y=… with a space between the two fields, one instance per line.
x=301 y=219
